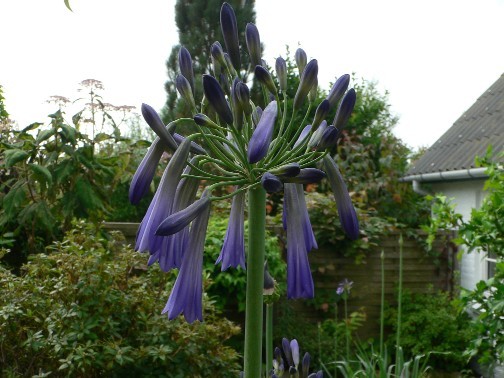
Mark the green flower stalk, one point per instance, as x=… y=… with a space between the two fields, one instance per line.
x=251 y=151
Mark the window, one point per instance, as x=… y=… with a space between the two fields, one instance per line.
x=491 y=262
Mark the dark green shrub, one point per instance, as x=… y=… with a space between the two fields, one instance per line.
x=432 y=322
x=91 y=308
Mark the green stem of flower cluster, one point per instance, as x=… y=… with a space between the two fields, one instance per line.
x=255 y=282
x=269 y=337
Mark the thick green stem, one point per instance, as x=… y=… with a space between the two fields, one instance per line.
x=255 y=282
x=269 y=338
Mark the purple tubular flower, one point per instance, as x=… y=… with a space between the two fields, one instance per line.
x=345 y=109
x=299 y=278
x=306 y=176
x=304 y=134
x=157 y=125
x=261 y=138
x=329 y=138
x=301 y=60
x=321 y=113
x=186 y=295
x=230 y=33
x=346 y=211
x=306 y=364
x=253 y=42
x=281 y=71
x=287 y=170
x=271 y=183
x=309 y=236
x=162 y=202
x=233 y=249
x=179 y=220
x=145 y=172
x=215 y=95
x=264 y=77
x=185 y=65
x=308 y=80
x=287 y=350
x=338 y=89
x=185 y=90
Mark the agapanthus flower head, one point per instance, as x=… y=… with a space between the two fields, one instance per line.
x=344 y=287
x=286 y=362
x=241 y=150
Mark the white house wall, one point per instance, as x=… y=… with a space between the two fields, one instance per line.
x=466 y=195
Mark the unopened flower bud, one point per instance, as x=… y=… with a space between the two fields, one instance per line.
x=317 y=135
x=321 y=113
x=218 y=53
x=301 y=60
x=185 y=90
x=329 y=138
x=281 y=71
x=264 y=77
x=271 y=183
x=263 y=133
x=287 y=170
x=185 y=66
x=338 y=89
x=304 y=134
x=253 y=42
x=308 y=80
x=230 y=33
x=156 y=124
x=256 y=115
x=345 y=109
x=243 y=94
x=306 y=176
x=312 y=95
x=215 y=95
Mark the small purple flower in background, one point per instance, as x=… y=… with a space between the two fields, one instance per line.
x=239 y=146
x=344 y=287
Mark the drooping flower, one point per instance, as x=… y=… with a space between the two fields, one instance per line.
x=233 y=249
x=271 y=183
x=157 y=125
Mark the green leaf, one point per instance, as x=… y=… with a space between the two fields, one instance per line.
x=67 y=3
x=44 y=135
x=13 y=157
x=100 y=137
x=76 y=118
x=13 y=200
x=41 y=173
x=32 y=126
x=69 y=133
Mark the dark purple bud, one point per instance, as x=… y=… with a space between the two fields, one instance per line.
x=345 y=109
x=230 y=33
x=145 y=172
x=218 y=53
x=306 y=176
x=263 y=133
x=304 y=134
x=185 y=65
x=281 y=71
x=237 y=106
x=178 y=221
x=216 y=98
x=185 y=90
x=329 y=138
x=253 y=42
x=264 y=77
x=204 y=120
x=157 y=125
x=346 y=211
x=287 y=170
x=308 y=79
x=271 y=183
x=287 y=350
x=321 y=113
x=243 y=94
x=301 y=60
x=338 y=89
x=195 y=147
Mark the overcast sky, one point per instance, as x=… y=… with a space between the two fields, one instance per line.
x=434 y=57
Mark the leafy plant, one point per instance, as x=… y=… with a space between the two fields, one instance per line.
x=91 y=308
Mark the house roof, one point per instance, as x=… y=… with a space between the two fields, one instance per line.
x=480 y=126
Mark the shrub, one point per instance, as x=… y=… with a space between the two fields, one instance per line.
x=91 y=308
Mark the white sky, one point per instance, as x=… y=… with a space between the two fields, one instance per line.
x=434 y=57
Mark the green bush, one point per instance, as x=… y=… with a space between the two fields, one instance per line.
x=91 y=308
x=432 y=322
